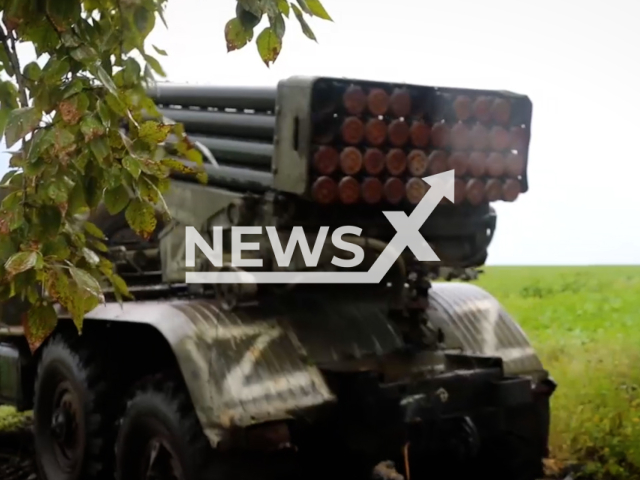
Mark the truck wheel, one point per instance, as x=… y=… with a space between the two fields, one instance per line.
x=160 y=436
x=519 y=451
x=70 y=424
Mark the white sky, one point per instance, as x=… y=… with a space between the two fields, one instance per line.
x=577 y=60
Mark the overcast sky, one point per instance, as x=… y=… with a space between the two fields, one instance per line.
x=577 y=60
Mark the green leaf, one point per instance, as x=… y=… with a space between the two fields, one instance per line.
x=40 y=141
x=32 y=71
x=153 y=167
x=49 y=220
x=250 y=19
x=148 y=191
x=314 y=7
x=70 y=39
x=104 y=113
x=144 y=20
x=303 y=6
x=91 y=128
x=283 y=6
x=57 y=286
x=41 y=321
x=235 y=35
x=106 y=80
x=278 y=26
x=4 y=116
x=252 y=6
x=60 y=139
x=93 y=230
x=177 y=166
x=141 y=218
x=90 y=256
x=98 y=245
x=84 y=54
x=116 y=199
x=81 y=160
x=269 y=46
x=7 y=248
x=119 y=285
x=63 y=13
x=132 y=165
x=202 y=178
x=57 y=248
x=8 y=94
x=86 y=281
x=7 y=176
x=155 y=65
x=57 y=191
x=12 y=200
x=306 y=29
x=76 y=201
x=74 y=87
x=159 y=51
x=17 y=160
x=153 y=132
x=100 y=148
x=55 y=68
x=35 y=168
x=93 y=191
x=160 y=13
x=21 y=262
x=115 y=104
x=131 y=71
x=6 y=63
x=20 y=123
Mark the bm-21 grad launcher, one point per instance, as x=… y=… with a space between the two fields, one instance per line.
x=401 y=378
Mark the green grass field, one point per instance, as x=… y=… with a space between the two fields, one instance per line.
x=585 y=324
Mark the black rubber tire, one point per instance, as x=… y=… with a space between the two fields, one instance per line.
x=518 y=452
x=161 y=408
x=61 y=362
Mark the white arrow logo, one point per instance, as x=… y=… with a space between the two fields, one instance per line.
x=407 y=235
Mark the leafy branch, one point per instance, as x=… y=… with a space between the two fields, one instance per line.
x=77 y=126
x=239 y=31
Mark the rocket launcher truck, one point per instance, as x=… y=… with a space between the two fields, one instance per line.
x=392 y=376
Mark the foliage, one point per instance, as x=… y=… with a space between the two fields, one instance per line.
x=81 y=132
x=11 y=420
x=584 y=323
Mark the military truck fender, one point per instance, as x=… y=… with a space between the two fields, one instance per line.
x=474 y=322
x=262 y=363
x=238 y=370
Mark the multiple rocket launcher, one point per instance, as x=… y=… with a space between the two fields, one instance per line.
x=338 y=141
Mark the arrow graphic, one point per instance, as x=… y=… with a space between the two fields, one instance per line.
x=407 y=235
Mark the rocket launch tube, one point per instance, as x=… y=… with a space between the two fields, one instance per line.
x=237 y=152
x=241 y=98
x=245 y=125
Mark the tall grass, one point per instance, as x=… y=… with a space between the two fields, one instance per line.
x=585 y=324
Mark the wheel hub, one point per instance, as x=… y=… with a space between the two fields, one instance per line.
x=60 y=424
x=160 y=462
x=68 y=441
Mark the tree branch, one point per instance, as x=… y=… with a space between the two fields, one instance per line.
x=9 y=45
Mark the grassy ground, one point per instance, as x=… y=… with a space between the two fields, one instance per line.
x=10 y=420
x=585 y=324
